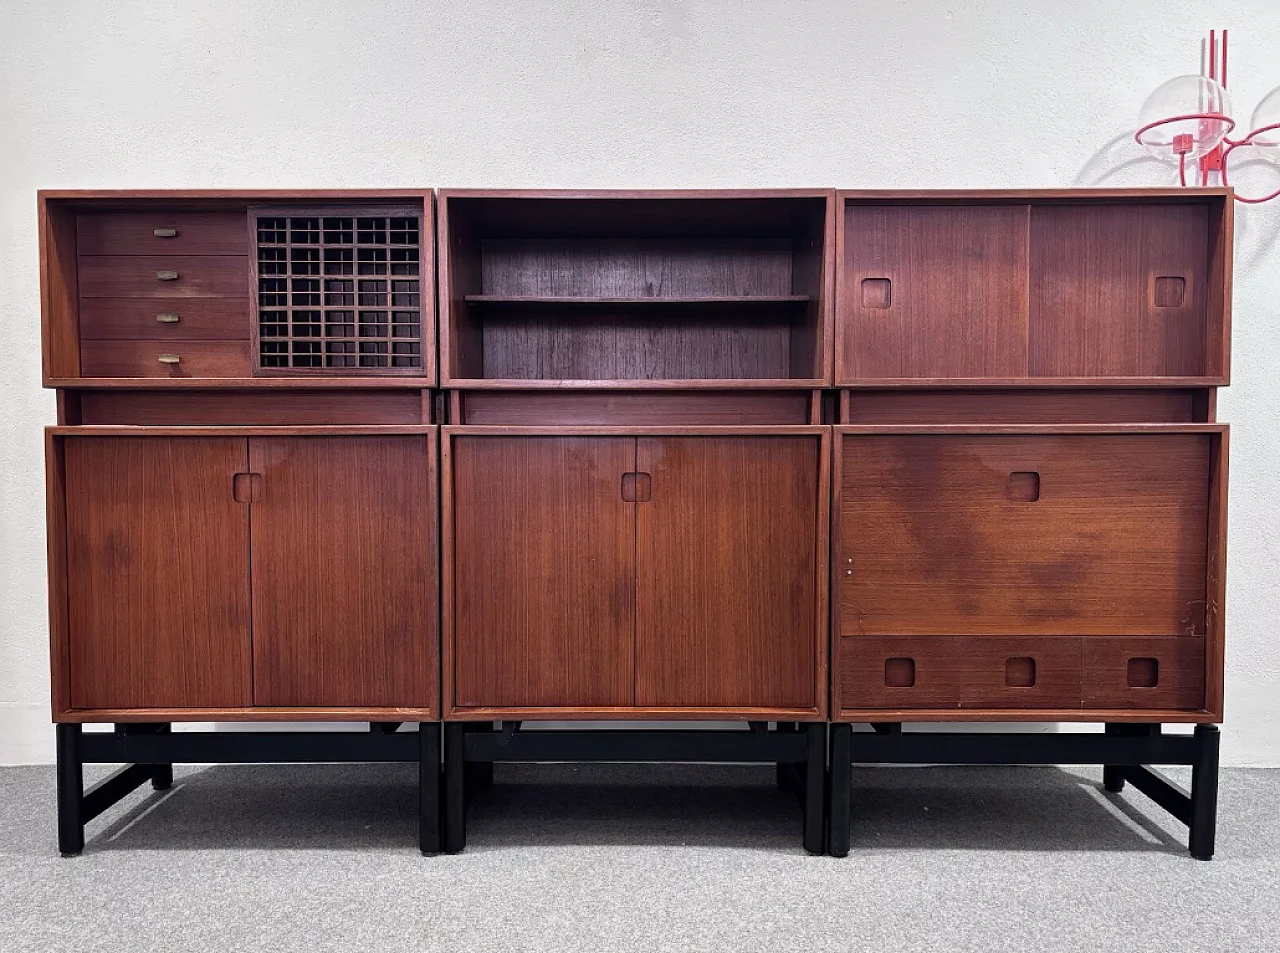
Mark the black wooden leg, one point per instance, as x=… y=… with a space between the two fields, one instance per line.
x=815 y=770
x=70 y=791
x=1113 y=775
x=840 y=794
x=455 y=793
x=429 y=787
x=162 y=774
x=1204 y=793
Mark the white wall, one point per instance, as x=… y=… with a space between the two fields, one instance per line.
x=628 y=93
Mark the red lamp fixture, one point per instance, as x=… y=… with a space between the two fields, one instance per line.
x=1188 y=119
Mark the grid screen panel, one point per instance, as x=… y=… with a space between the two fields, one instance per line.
x=338 y=290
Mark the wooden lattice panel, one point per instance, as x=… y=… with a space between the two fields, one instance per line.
x=337 y=290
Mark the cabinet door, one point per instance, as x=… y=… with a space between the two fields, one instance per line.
x=544 y=571
x=727 y=572
x=345 y=577
x=157 y=572
x=1024 y=534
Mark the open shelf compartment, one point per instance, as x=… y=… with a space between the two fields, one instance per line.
x=549 y=289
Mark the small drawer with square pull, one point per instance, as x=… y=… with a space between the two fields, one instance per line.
x=162 y=233
x=163 y=276
x=124 y=358
x=164 y=319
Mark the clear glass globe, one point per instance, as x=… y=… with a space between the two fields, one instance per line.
x=1185 y=96
x=1268 y=114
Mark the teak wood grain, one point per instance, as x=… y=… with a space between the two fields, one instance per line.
x=159 y=408
x=135 y=233
x=165 y=360
x=627 y=408
x=345 y=571
x=164 y=319
x=727 y=570
x=1093 y=304
x=137 y=276
x=950 y=672
x=157 y=572
x=542 y=571
x=939 y=534
x=933 y=291
x=1022 y=406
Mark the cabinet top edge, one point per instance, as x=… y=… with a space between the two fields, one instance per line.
x=942 y=430
x=761 y=193
x=1174 y=193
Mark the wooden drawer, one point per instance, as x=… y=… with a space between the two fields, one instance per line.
x=142 y=359
x=164 y=319
x=148 y=276
x=1026 y=532
x=1144 y=673
x=162 y=233
x=953 y=672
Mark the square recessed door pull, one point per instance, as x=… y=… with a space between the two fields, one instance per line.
x=168 y=318
x=167 y=275
x=1023 y=486
x=246 y=487
x=164 y=232
x=169 y=359
x=637 y=487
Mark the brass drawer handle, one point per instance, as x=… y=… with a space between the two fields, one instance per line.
x=167 y=275
x=168 y=359
x=168 y=318
x=164 y=232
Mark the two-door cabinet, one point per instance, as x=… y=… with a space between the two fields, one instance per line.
x=638 y=572
x=224 y=571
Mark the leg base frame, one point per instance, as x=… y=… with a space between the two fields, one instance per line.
x=471 y=749
x=1125 y=751
x=149 y=752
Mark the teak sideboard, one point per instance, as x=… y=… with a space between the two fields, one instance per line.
x=797 y=459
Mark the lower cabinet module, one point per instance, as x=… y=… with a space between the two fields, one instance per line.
x=244 y=571
x=632 y=574
x=1027 y=571
x=766 y=462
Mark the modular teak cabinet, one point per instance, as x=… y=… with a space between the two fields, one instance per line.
x=793 y=458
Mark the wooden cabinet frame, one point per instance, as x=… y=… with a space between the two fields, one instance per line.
x=1211 y=283
x=61 y=661
x=820 y=535
x=1215 y=582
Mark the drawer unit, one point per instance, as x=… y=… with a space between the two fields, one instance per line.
x=162 y=233
x=1024 y=567
x=174 y=359
x=164 y=319
x=163 y=276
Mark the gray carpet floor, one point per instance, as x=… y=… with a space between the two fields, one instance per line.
x=647 y=858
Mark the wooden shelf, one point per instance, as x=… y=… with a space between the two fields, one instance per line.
x=318 y=382
x=587 y=300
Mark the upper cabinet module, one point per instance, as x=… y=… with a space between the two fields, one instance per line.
x=144 y=288
x=1034 y=287
x=636 y=289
